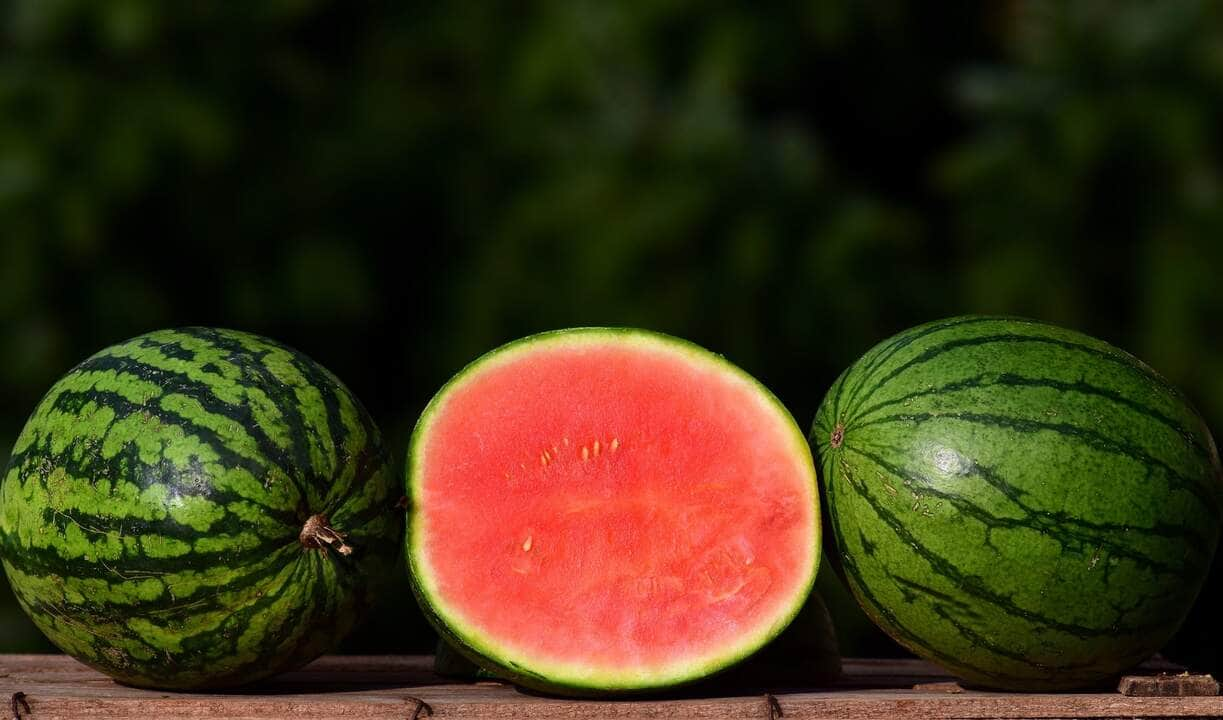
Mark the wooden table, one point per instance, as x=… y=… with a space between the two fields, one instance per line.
x=394 y=687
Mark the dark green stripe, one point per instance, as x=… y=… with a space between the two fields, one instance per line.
x=1116 y=358
x=1079 y=387
x=221 y=644
x=830 y=419
x=165 y=473
x=46 y=561
x=179 y=383
x=297 y=581
x=973 y=586
x=124 y=407
x=172 y=349
x=350 y=506
x=331 y=489
x=286 y=525
x=880 y=611
x=888 y=349
x=315 y=485
x=981 y=641
x=1067 y=530
x=207 y=598
x=1083 y=436
x=179 y=607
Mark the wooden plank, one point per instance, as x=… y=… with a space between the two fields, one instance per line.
x=56 y=687
x=1168 y=685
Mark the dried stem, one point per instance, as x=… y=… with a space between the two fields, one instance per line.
x=317 y=533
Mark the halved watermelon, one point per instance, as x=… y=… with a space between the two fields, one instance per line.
x=598 y=510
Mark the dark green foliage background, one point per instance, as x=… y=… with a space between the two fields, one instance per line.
x=394 y=188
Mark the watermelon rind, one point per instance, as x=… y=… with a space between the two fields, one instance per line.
x=561 y=678
x=1028 y=506
x=198 y=508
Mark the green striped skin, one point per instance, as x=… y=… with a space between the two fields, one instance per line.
x=1031 y=508
x=151 y=510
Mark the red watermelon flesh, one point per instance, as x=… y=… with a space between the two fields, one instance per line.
x=610 y=510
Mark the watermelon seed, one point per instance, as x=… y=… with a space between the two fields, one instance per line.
x=615 y=443
x=526 y=544
x=596 y=448
x=585 y=453
x=838 y=435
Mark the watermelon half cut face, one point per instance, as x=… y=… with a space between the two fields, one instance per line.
x=601 y=510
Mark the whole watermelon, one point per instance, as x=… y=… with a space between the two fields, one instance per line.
x=198 y=508
x=1030 y=507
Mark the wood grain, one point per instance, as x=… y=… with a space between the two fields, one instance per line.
x=388 y=687
x=1168 y=685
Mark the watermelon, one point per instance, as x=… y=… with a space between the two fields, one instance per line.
x=603 y=510
x=805 y=654
x=1028 y=506
x=198 y=508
